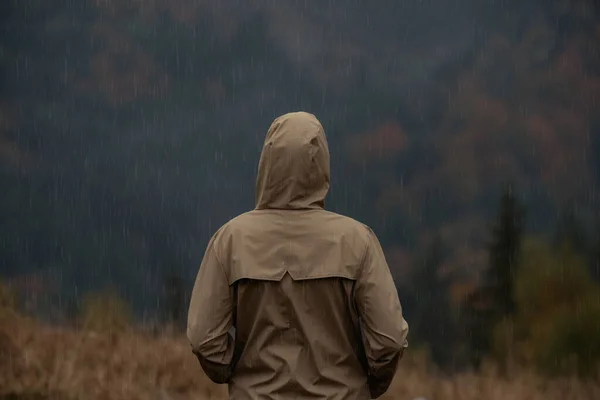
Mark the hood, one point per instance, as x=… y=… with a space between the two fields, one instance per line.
x=293 y=172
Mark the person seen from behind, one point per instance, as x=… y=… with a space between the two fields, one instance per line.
x=292 y=301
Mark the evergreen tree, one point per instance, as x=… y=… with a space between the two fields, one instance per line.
x=495 y=300
x=503 y=254
x=433 y=320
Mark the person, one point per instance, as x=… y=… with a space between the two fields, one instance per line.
x=292 y=301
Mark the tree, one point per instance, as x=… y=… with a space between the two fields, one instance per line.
x=494 y=300
x=433 y=323
x=558 y=317
x=504 y=253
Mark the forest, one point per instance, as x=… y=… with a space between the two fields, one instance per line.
x=465 y=133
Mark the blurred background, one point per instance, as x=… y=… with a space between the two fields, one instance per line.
x=466 y=133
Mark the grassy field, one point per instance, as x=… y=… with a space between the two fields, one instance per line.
x=45 y=362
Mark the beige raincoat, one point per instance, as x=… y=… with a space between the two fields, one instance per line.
x=292 y=301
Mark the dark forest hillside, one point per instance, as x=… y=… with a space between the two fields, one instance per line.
x=130 y=130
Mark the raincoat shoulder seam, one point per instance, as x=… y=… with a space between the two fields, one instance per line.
x=216 y=253
x=365 y=252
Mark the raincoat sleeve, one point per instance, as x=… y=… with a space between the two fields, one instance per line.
x=383 y=327
x=210 y=318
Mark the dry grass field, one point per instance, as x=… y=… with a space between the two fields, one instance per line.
x=47 y=362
